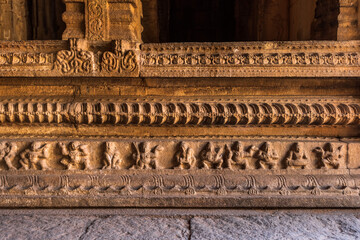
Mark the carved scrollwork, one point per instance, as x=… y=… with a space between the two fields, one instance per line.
x=75 y=60
x=122 y=60
x=96 y=19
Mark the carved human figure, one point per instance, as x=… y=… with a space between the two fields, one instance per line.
x=267 y=156
x=112 y=158
x=35 y=157
x=144 y=156
x=211 y=157
x=329 y=156
x=8 y=153
x=235 y=155
x=76 y=156
x=296 y=158
x=185 y=157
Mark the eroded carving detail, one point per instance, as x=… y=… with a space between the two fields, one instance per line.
x=112 y=159
x=297 y=158
x=211 y=157
x=267 y=157
x=329 y=156
x=185 y=157
x=76 y=156
x=144 y=156
x=19 y=59
x=35 y=157
x=8 y=153
x=235 y=155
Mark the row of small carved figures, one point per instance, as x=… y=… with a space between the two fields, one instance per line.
x=246 y=58
x=76 y=156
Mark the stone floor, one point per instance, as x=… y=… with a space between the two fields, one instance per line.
x=179 y=224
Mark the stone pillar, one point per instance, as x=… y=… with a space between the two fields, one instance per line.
x=13 y=20
x=348 y=27
x=74 y=19
x=103 y=20
x=336 y=20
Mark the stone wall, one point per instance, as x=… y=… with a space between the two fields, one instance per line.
x=179 y=224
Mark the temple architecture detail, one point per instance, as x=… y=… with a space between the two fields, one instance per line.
x=112 y=103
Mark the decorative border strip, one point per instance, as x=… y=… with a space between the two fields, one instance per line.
x=267 y=59
x=239 y=155
x=197 y=113
x=196 y=189
x=262 y=59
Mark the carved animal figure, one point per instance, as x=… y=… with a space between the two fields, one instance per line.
x=267 y=156
x=8 y=153
x=77 y=156
x=184 y=157
x=329 y=156
x=235 y=155
x=112 y=158
x=35 y=157
x=211 y=157
x=297 y=158
x=144 y=156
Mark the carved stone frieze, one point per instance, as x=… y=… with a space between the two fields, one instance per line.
x=237 y=155
x=263 y=59
x=211 y=173
x=311 y=112
x=162 y=188
x=250 y=59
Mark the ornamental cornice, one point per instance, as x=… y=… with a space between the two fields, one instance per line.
x=129 y=59
x=200 y=112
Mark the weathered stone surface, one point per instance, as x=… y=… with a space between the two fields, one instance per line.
x=277 y=226
x=91 y=227
x=43 y=227
x=137 y=228
x=163 y=224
